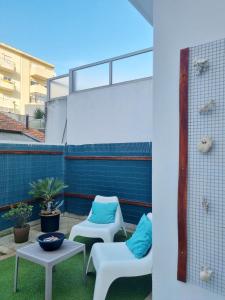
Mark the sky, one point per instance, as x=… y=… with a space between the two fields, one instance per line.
x=70 y=33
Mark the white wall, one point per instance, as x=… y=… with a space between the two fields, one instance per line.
x=56 y=118
x=113 y=114
x=177 y=24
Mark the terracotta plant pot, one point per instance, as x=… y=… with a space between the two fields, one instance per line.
x=50 y=223
x=21 y=235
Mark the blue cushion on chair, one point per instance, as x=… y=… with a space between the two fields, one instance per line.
x=141 y=240
x=103 y=213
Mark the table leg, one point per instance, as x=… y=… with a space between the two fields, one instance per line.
x=16 y=274
x=48 y=283
x=84 y=266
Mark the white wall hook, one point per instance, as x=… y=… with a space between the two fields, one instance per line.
x=201 y=65
x=205 y=144
x=205 y=274
x=209 y=106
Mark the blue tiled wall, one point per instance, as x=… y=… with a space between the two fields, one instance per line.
x=129 y=180
x=17 y=171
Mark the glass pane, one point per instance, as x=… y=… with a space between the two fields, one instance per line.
x=134 y=67
x=91 y=77
x=59 y=87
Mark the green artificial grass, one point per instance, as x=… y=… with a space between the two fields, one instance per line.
x=67 y=281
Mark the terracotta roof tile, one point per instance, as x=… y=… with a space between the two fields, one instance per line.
x=9 y=124
x=35 y=133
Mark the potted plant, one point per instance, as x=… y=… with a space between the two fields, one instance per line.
x=39 y=114
x=46 y=190
x=20 y=214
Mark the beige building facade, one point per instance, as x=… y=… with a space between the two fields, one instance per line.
x=23 y=80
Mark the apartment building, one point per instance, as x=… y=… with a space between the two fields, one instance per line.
x=23 y=80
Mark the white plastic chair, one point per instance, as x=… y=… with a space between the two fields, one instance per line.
x=103 y=231
x=115 y=260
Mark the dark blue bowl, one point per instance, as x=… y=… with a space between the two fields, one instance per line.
x=51 y=245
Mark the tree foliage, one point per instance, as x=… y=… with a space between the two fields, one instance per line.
x=39 y=114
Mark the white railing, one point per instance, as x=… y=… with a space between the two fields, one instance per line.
x=131 y=66
x=37 y=98
x=105 y=72
x=58 y=87
x=7 y=61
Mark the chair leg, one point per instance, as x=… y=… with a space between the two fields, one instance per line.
x=90 y=265
x=108 y=239
x=102 y=284
x=72 y=234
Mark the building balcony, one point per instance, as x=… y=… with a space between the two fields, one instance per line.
x=7 y=65
x=37 y=98
x=41 y=73
x=38 y=89
x=6 y=104
x=7 y=86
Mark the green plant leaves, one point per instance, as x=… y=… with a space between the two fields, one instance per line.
x=20 y=214
x=46 y=189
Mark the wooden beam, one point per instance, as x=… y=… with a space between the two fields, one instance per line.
x=81 y=196
x=29 y=201
x=73 y=157
x=183 y=165
x=122 y=201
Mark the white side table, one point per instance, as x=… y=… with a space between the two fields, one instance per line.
x=48 y=259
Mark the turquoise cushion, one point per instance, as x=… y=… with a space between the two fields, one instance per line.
x=103 y=213
x=141 y=240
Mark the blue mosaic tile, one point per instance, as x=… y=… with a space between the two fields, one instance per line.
x=17 y=171
x=131 y=180
x=115 y=149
